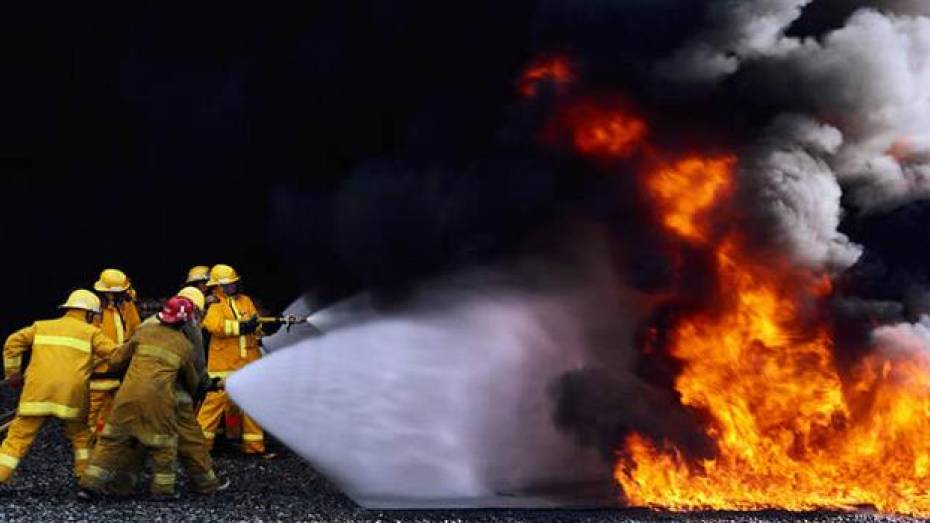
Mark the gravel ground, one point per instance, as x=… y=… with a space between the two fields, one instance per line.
x=283 y=489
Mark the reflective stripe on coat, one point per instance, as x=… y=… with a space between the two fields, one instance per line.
x=228 y=350
x=157 y=357
x=63 y=350
x=118 y=324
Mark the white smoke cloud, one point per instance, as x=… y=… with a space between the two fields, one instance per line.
x=869 y=80
x=904 y=339
x=736 y=31
x=872 y=78
x=791 y=188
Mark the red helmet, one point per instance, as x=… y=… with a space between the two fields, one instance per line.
x=177 y=309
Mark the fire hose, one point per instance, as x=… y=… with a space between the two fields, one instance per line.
x=289 y=321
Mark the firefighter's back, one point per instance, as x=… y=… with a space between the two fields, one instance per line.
x=60 y=365
x=145 y=403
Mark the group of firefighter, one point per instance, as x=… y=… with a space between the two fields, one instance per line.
x=127 y=388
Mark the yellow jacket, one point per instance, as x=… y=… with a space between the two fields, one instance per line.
x=194 y=334
x=157 y=358
x=118 y=324
x=63 y=351
x=228 y=350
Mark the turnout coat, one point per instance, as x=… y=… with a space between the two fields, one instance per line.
x=63 y=355
x=156 y=358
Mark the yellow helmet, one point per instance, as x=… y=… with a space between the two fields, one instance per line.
x=82 y=299
x=222 y=275
x=112 y=280
x=193 y=294
x=198 y=274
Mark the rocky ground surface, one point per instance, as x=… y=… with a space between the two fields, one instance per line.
x=284 y=489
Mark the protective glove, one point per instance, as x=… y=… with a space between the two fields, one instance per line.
x=208 y=385
x=271 y=327
x=248 y=326
x=15 y=381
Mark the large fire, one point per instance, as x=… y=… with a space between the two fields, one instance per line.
x=790 y=430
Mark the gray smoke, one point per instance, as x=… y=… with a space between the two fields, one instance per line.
x=850 y=132
x=871 y=78
x=857 y=118
x=735 y=32
x=910 y=6
x=847 y=129
x=794 y=193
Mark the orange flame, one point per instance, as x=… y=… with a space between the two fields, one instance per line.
x=790 y=432
x=687 y=189
x=554 y=69
x=614 y=134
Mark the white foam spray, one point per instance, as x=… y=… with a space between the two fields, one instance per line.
x=447 y=400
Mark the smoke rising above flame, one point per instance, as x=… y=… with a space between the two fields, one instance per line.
x=757 y=357
x=721 y=159
x=758 y=360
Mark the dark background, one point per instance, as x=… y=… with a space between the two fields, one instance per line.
x=331 y=145
x=153 y=137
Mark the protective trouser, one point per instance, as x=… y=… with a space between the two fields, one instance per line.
x=193 y=452
x=114 y=452
x=214 y=405
x=98 y=408
x=193 y=455
x=23 y=432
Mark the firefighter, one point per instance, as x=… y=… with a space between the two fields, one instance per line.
x=193 y=453
x=56 y=380
x=232 y=325
x=144 y=411
x=120 y=320
x=231 y=426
